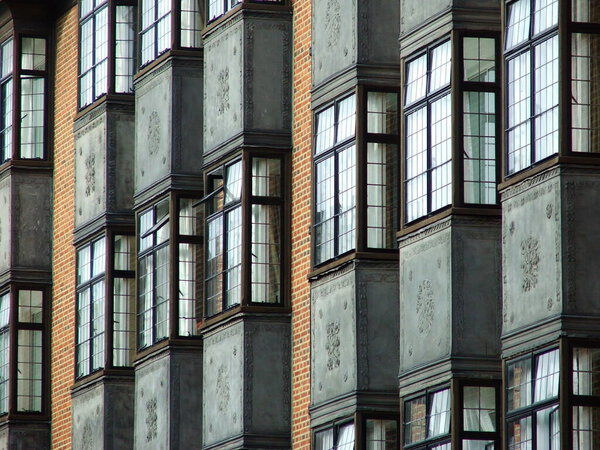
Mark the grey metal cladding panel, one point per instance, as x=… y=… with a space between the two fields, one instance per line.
x=119 y=415
x=222 y=384
x=378 y=328
x=268 y=377
x=28 y=436
x=152 y=412
x=581 y=247
x=186 y=400
x=223 y=86
x=188 y=122
x=90 y=170
x=267 y=75
x=334 y=37
x=425 y=300
x=378 y=31
x=88 y=418
x=5 y=224
x=122 y=164
x=153 y=125
x=32 y=221
x=415 y=12
x=333 y=342
x=477 y=312
x=531 y=254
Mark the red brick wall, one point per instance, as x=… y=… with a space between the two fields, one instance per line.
x=63 y=260
x=301 y=221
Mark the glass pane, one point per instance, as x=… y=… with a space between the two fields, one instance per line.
x=441 y=153
x=546 y=376
x=4 y=310
x=346 y=196
x=32 y=117
x=545 y=15
x=325 y=129
x=517 y=23
x=548 y=429
x=438 y=418
x=586 y=427
x=233 y=183
x=479 y=409
x=324 y=210
x=124 y=253
x=479 y=147
x=190 y=220
x=519 y=384
x=380 y=195
x=440 y=66
x=146 y=220
x=474 y=444
x=30 y=306
x=585 y=11
x=161 y=294
x=188 y=273
x=7 y=58
x=415 y=413
x=123 y=321
x=265 y=253
x=346 y=120
x=191 y=22
x=546 y=98
x=479 y=59
x=214 y=266
x=324 y=440
x=6 y=120
x=97 y=343
x=124 y=48
x=33 y=53
x=585 y=82
x=416 y=79
x=29 y=371
x=382 y=112
x=586 y=371
x=233 y=257
x=416 y=164
x=98 y=257
x=144 y=308
x=519 y=110
x=266 y=177
x=4 y=366
x=84 y=264
x=382 y=434
x=520 y=434
x=345 y=439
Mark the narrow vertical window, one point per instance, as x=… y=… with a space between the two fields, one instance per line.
x=156 y=29
x=124 y=48
x=93 y=70
x=190 y=224
x=4 y=350
x=33 y=97
x=6 y=100
x=123 y=300
x=191 y=22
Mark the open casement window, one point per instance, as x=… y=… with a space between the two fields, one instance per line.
x=427 y=420
x=244 y=232
x=22 y=350
x=355 y=179
x=106 y=48
x=336 y=437
x=532 y=415
x=105 y=304
x=216 y=8
x=169 y=24
x=434 y=143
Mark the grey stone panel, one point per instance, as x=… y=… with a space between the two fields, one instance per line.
x=532 y=252
x=222 y=384
x=89 y=418
x=187 y=123
x=168 y=401
x=425 y=297
x=121 y=135
x=32 y=220
x=223 y=85
x=334 y=37
x=414 y=13
x=378 y=31
x=333 y=336
x=5 y=224
x=24 y=436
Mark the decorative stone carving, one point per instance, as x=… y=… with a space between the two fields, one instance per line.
x=530 y=258
x=90 y=174
x=549 y=210
x=332 y=22
x=425 y=307
x=223 y=91
x=153 y=133
x=223 y=388
x=333 y=345
x=151 y=420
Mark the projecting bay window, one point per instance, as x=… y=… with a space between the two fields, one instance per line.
x=244 y=232
x=216 y=8
x=434 y=142
x=355 y=195
x=167 y=24
x=427 y=420
x=585 y=406
x=6 y=100
x=106 y=61
x=373 y=431
x=105 y=304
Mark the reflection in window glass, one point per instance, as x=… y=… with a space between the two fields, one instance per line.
x=586 y=427
x=546 y=98
x=519 y=107
x=214 y=266
x=266 y=176
x=586 y=371
x=4 y=350
x=441 y=153
x=32 y=117
x=520 y=434
x=93 y=62
x=265 y=253
x=346 y=195
x=585 y=11
x=30 y=306
x=325 y=129
x=518 y=17
x=124 y=48
x=415 y=420
x=438 y=417
x=345 y=439
x=233 y=182
x=440 y=66
x=33 y=54
x=479 y=408
x=416 y=164
x=382 y=112
x=324 y=440
x=380 y=194
x=479 y=58
x=545 y=15
x=416 y=79
x=324 y=210
x=548 y=428
x=190 y=23
x=346 y=120
x=187 y=289
x=156 y=29
x=29 y=371
x=6 y=100
x=546 y=376
x=382 y=434
x=233 y=257
x=475 y=444
x=519 y=384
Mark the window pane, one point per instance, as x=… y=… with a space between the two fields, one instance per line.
x=416 y=164
x=33 y=53
x=585 y=11
x=382 y=112
x=265 y=253
x=123 y=321
x=473 y=444
x=519 y=110
x=546 y=98
x=188 y=272
x=325 y=129
x=441 y=153
x=380 y=195
x=586 y=371
x=214 y=266
x=586 y=427
x=4 y=310
x=266 y=177
x=84 y=311
x=324 y=210
x=382 y=434
x=346 y=120
x=479 y=59
x=585 y=103
x=215 y=8
x=84 y=264
x=479 y=150
x=144 y=309
x=517 y=23
x=32 y=117
x=124 y=48
x=98 y=325
x=520 y=434
x=30 y=306
x=6 y=102
x=416 y=79
x=346 y=199
x=234 y=257
x=4 y=364
x=479 y=413
x=190 y=23
x=124 y=255
x=546 y=376
x=519 y=384
x=98 y=257
x=346 y=437
x=438 y=418
x=29 y=371
x=548 y=429
x=415 y=413
x=161 y=294
x=545 y=15
x=233 y=186
x=324 y=440
x=7 y=58
x=440 y=66
x=190 y=220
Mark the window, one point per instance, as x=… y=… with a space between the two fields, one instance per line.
x=341 y=201
x=479 y=417
x=156 y=29
x=427 y=418
x=4 y=350
x=230 y=251
x=381 y=434
x=123 y=301
x=153 y=274
x=91 y=293
x=586 y=391
x=216 y=8
x=338 y=437
x=6 y=100
x=191 y=23
x=532 y=401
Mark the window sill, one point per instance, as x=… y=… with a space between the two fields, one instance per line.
x=337 y=264
x=101 y=375
x=240 y=311
x=107 y=99
x=25 y=164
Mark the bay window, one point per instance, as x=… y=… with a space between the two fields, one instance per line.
x=337 y=437
x=106 y=60
x=216 y=8
x=6 y=100
x=355 y=195
x=427 y=418
x=244 y=231
x=586 y=397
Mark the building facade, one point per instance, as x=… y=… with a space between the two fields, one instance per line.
x=326 y=224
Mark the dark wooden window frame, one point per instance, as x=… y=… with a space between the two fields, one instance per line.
x=227 y=8
x=457 y=421
x=335 y=426
x=111 y=50
x=3 y=82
